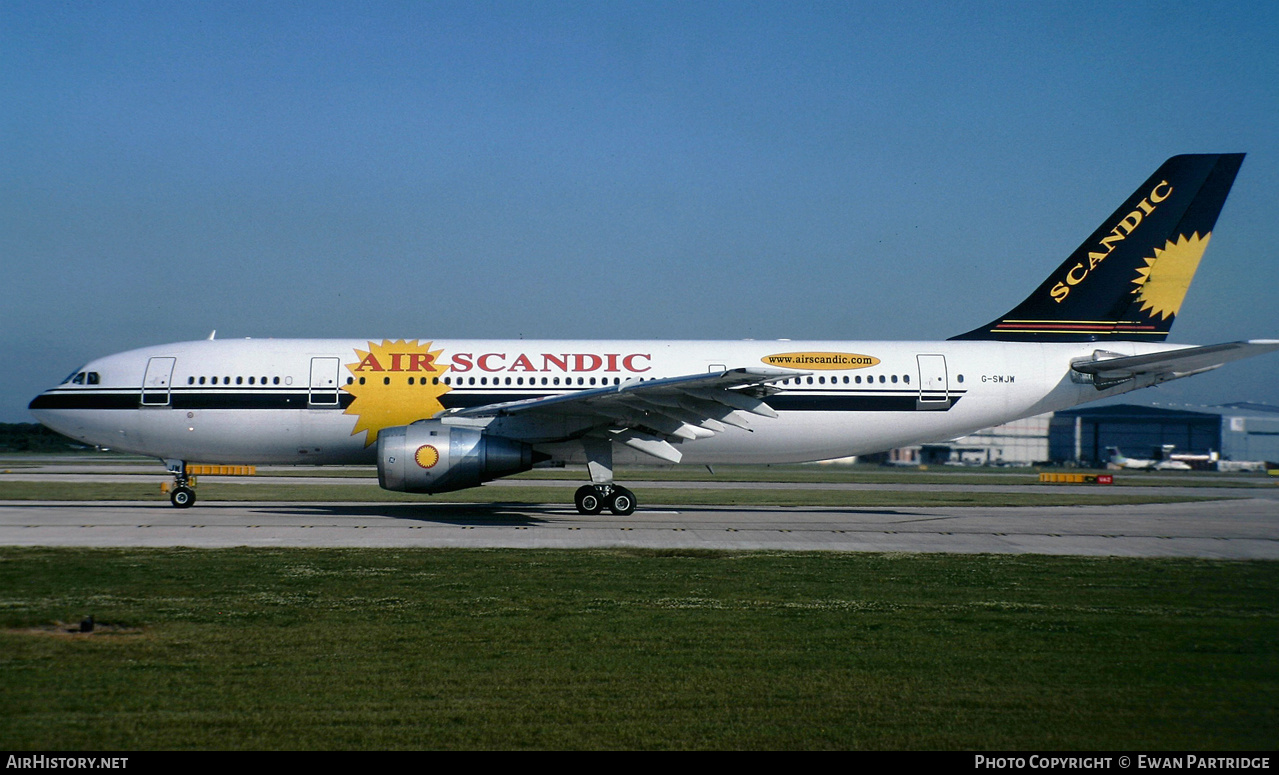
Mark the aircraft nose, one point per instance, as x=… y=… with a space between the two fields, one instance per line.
x=43 y=409
x=41 y=403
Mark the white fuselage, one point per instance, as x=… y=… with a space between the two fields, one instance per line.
x=318 y=401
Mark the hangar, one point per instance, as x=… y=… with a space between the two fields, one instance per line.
x=1238 y=432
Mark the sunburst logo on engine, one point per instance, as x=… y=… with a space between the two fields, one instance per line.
x=394 y=383
x=1163 y=282
x=427 y=456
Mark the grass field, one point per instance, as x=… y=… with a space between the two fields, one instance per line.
x=370 y=649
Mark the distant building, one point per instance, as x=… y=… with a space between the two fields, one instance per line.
x=1234 y=432
x=1238 y=432
x=1018 y=443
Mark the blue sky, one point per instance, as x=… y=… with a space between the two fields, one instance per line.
x=609 y=169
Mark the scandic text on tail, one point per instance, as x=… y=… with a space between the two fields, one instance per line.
x=1127 y=280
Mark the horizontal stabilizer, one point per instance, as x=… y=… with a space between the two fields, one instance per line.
x=1173 y=363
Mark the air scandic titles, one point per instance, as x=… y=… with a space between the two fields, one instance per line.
x=437 y=415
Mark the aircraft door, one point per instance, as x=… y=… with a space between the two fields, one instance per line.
x=156 y=381
x=934 y=386
x=324 y=383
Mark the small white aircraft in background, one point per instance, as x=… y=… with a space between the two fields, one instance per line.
x=1117 y=458
x=441 y=415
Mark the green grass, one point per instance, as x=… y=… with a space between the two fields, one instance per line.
x=440 y=649
x=212 y=490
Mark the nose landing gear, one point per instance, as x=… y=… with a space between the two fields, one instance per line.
x=182 y=496
x=182 y=493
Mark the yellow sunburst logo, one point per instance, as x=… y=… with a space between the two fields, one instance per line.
x=427 y=456
x=1163 y=282
x=394 y=383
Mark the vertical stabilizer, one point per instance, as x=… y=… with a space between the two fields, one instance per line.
x=1128 y=279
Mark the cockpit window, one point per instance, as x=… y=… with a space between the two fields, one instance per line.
x=81 y=377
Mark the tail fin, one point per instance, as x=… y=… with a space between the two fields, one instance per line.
x=1128 y=279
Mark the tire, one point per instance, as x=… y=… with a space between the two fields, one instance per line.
x=622 y=502
x=588 y=500
x=182 y=497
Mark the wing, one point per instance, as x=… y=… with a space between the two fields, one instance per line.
x=1171 y=364
x=646 y=415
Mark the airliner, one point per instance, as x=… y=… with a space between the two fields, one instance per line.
x=438 y=415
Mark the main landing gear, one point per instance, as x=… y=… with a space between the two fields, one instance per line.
x=594 y=498
x=182 y=493
x=601 y=493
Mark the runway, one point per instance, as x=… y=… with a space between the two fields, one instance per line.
x=1236 y=529
x=1244 y=527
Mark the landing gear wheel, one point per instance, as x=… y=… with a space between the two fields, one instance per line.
x=622 y=502
x=182 y=497
x=588 y=500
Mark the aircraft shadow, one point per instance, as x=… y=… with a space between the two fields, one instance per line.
x=462 y=514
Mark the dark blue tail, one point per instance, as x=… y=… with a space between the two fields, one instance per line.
x=1128 y=279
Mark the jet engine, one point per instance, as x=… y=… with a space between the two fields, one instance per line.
x=431 y=457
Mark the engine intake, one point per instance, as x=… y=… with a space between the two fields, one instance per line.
x=430 y=457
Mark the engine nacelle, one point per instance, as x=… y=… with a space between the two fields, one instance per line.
x=431 y=457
